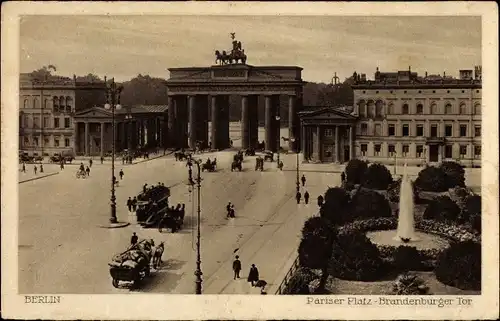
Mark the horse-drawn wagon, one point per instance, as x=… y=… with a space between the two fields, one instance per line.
x=133 y=265
x=172 y=218
x=150 y=202
x=269 y=156
x=209 y=166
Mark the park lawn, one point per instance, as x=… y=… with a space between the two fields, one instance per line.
x=384 y=287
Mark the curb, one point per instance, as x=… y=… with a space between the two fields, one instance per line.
x=114 y=225
x=39 y=177
x=284 y=271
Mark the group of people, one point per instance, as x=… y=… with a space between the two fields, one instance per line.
x=298 y=196
x=230 y=210
x=35 y=168
x=253 y=275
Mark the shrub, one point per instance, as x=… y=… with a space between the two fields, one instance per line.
x=431 y=179
x=314 y=247
x=409 y=284
x=354 y=257
x=407 y=258
x=369 y=204
x=454 y=174
x=355 y=170
x=335 y=206
x=442 y=208
x=299 y=282
x=377 y=176
x=460 y=266
x=472 y=212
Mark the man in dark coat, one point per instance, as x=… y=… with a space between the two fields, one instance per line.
x=87 y=170
x=134 y=204
x=134 y=239
x=320 y=200
x=102 y=159
x=298 y=197
x=90 y=162
x=237 y=267
x=342 y=177
x=228 y=209
x=129 y=204
x=306 y=197
x=253 y=275
x=303 y=179
x=121 y=173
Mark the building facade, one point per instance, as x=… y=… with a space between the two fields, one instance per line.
x=402 y=117
x=46 y=111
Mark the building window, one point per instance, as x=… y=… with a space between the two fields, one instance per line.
x=434 y=109
x=420 y=151
x=69 y=102
x=55 y=103
x=448 y=151
x=477 y=109
x=392 y=150
x=56 y=123
x=66 y=122
x=477 y=131
x=463 y=130
x=36 y=122
x=62 y=103
x=328 y=132
x=26 y=141
x=420 y=109
x=362 y=108
x=46 y=122
x=477 y=151
x=447 y=109
x=371 y=112
x=378 y=130
x=392 y=130
x=364 y=149
x=35 y=103
x=46 y=142
x=463 y=109
x=463 y=151
x=45 y=103
x=35 y=141
x=377 y=150
x=379 y=109
x=390 y=109
x=406 y=130
x=405 y=109
x=420 y=130
x=434 y=131
x=328 y=150
x=56 y=142
x=448 y=130
x=364 y=129
x=66 y=142
x=406 y=150
x=26 y=103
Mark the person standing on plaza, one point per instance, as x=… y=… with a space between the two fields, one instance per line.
x=62 y=165
x=134 y=239
x=303 y=179
x=24 y=168
x=129 y=204
x=306 y=197
x=90 y=162
x=121 y=173
x=298 y=196
x=35 y=169
x=237 y=267
x=87 y=170
x=41 y=168
x=253 y=275
x=320 y=200
x=228 y=209
x=102 y=159
x=134 y=204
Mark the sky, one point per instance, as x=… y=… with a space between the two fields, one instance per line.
x=125 y=46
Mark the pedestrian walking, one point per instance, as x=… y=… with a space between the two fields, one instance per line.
x=342 y=177
x=320 y=200
x=123 y=160
x=102 y=159
x=129 y=204
x=231 y=212
x=228 y=209
x=121 y=173
x=24 y=168
x=144 y=188
x=90 y=162
x=253 y=275
x=298 y=196
x=134 y=204
x=237 y=267
x=35 y=169
x=62 y=165
x=303 y=179
x=134 y=239
x=87 y=170
x=41 y=168
x=306 y=197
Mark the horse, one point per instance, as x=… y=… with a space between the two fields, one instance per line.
x=158 y=253
x=221 y=58
x=236 y=165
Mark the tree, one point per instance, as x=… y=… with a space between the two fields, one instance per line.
x=432 y=179
x=473 y=211
x=454 y=174
x=355 y=171
x=369 y=204
x=377 y=176
x=316 y=247
x=144 y=90
x=442 y=208
x=88 y=78
x=335 y=205
x=43 y=73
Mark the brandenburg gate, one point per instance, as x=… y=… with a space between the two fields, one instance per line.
x=193 y=92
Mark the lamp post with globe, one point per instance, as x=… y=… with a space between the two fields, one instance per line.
x=192 y=182
x=113 y=103
x=297 y=182
x=278 y=134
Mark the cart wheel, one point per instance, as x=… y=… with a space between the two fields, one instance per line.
x=115 y=283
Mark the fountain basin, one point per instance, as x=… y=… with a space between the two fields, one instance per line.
x=423 y=241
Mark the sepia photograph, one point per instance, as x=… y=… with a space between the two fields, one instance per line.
x=309 y=157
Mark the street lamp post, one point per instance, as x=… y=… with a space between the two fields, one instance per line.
x=297 y=182
x=278 y=134
x=113 y=103
x=197 y=272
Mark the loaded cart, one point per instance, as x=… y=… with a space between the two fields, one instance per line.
x=133 y=265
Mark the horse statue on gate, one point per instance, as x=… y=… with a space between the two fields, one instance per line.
x=235 y=55
x=221 y=58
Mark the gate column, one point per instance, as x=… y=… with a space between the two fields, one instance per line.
x=201 y=127
x=214 y=125
x=170 y=130
x=192 y=121
x=181 y=124
x=253 y=121
x=245 y=123
x=220 y=121
x=269 y=124
x=292 y=124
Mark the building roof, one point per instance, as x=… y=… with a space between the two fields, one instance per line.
x=137 y=109
x=341 y=112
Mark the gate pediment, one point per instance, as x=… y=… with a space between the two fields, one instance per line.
x=94 y=112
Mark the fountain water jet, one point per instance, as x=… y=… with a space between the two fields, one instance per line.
x=406 y=220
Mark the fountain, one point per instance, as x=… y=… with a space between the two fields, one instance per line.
x=406 y=221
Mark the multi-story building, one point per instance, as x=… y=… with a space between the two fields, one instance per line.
x=46 y=110
x=401 y=117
